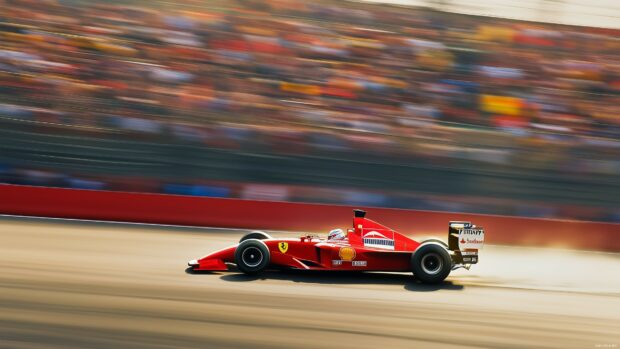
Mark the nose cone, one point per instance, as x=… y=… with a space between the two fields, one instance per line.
x=193 y=263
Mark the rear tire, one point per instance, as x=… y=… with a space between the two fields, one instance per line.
x=435 y=240
x=431 y=263
x=252 y=256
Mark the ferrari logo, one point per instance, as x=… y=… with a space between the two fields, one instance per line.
x=283 y=247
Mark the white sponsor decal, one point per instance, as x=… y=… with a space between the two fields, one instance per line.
x=338 y=262
x=375 y=234
x=471 y=239
x=461 y=225
x=377 y=240
x=470 y=259
x=379 y=243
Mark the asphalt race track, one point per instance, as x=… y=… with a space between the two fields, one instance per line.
x=94 y=285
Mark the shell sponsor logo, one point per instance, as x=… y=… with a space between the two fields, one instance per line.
x=347 y=253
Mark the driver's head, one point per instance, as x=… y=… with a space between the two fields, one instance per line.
x=336 y=234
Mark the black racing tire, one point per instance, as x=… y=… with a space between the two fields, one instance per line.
x=431 y=263
x=439 y=241
x=256 y=234
x=252 y=256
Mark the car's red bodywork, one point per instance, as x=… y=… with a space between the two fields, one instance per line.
x=369 y=246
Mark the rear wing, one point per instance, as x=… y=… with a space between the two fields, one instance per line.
x=465 y=239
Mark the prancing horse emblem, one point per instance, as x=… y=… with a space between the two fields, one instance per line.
x=283 y=247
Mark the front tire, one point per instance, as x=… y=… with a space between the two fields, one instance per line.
x=252 y=256
x=431 y=263
x=256 y=234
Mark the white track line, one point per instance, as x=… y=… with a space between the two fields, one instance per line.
x=79 y=220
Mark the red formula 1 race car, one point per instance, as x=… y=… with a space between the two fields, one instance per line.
x=368 y=246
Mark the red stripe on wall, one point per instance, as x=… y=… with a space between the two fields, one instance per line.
x=250 y=214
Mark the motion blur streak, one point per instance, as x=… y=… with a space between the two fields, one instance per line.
x=323 y=101
x=78 y=285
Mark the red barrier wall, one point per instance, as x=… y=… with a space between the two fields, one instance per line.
x=235 y=213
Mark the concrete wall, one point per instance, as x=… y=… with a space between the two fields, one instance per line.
x=235 y=213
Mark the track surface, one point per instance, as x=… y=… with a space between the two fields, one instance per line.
x=86 y=285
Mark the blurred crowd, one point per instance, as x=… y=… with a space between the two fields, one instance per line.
x=319 y=78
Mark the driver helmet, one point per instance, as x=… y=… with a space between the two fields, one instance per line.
x=336 y=234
